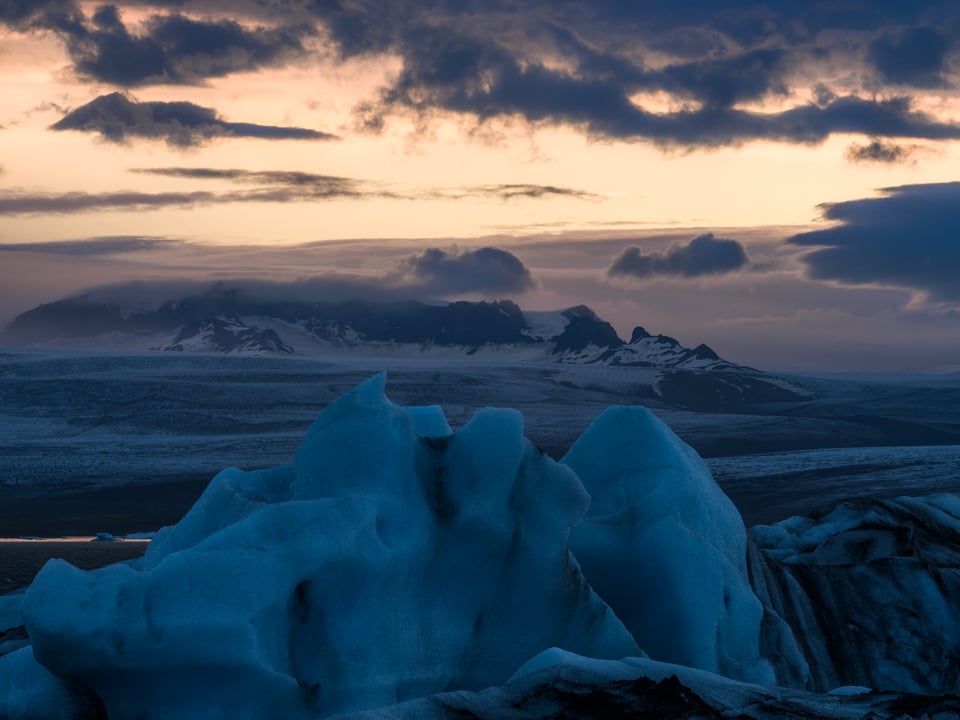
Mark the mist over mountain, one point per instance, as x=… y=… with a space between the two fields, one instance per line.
x=237 y=320
x=260 y=320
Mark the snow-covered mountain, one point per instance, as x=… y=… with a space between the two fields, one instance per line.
x=227 y=321
x=227 y=335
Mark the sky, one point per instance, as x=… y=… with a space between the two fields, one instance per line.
x=779 y=180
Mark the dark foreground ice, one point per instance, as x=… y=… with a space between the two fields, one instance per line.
x=393 y=561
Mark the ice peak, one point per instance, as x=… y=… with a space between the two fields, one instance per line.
x=379 y=566
x=679 y=580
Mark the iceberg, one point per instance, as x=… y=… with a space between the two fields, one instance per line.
x=666 y=548
x=871 y=590
x=394 y=563
x=390 y=560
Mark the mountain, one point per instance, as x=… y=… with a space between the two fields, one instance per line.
x=230 y=321
x=229 y=335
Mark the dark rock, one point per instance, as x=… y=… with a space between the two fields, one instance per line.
x=585 y=328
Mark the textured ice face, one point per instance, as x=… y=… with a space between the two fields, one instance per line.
x=872 y=591
x=665 y=547
x=394 y=559
x=389 y=560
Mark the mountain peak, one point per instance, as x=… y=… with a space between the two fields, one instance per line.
x=580 y=311
x=585 y=329
x=704 y=352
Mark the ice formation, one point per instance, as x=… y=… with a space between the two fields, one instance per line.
x=29 y=691
x=558 y=684
x=390 y=560
x=665 y=547
x=394 y=559
x=872 y=592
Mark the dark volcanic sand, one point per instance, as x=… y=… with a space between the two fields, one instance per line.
x=118 y=510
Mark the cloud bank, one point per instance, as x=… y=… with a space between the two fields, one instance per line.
x=117 y=118
x=265 y=186
x=880 y=151
x=907 y=238
x=703 y=255
x=914 y=56
x=487 y=269
x=168 y=48
x=112 y=245
x=557 y=62
x=565 y=63
x=431 y=274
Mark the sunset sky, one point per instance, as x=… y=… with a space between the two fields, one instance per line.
x=779 y=180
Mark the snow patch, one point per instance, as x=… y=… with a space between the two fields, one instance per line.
x=545 y=325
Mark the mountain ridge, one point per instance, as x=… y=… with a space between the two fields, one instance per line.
x=227 y=321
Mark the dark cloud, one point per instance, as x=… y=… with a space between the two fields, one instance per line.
x=908 y=238
x=468 y=75
x=272 y=177
x=723 y=82
x=270 y=186
x=561 y=61
x=14 y=202
x=823 y=95
x=274 y=187
x=750 y=22
x=38 y=14
x=23 y=203
x=117 y=118
x=703 y=255
x=910 y=56
x=880 y=151
x=570 y=63
x=712 y=81
x=487 y=269
x=428 y=275
x=301 y=184
x=111 y=245
x=512 y=191
x=755 y=23
x=377 y=25
x=316 y=185
x=171 y=48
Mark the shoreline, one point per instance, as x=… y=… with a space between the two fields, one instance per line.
x=84 y=512
x=69 y=539
x=37 y=527
x=21 y=560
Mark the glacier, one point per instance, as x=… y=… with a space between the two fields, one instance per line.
x=394 y=563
